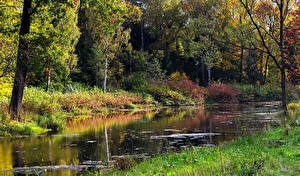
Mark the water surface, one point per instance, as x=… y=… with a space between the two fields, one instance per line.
x=104 y=138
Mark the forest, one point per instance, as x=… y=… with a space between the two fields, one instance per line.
x=64 y=62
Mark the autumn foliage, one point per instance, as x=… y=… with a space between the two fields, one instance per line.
x=189 y=88
x=222 y=92
x=293 y=50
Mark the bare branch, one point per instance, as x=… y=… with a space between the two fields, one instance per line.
x=268 y=50
x=270 y=35
x=240 y=46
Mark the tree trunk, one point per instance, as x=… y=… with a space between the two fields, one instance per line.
x=208 y=74
x=106 y=67
x=105 y=74
x=106 y=145
x=203 y=77
x=266 y=69
x=283 y=69
x=261 y=75
x=142 y=36
x=15 y=106
x=283 y=91
x=241 y=65
x=48 y=81
x=98 y=75
x=284 y=102
x=130 y=65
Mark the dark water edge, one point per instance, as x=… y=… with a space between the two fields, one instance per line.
x=102 y=139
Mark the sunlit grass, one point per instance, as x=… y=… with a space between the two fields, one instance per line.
x=266 y=153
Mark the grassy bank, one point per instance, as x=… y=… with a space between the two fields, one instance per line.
x=44 y=111
x=269 y=153
x=264 y=153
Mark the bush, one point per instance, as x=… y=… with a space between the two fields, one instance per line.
x=75 y=100
x=122 y=98
x=124 y=163
x=4 y=116
x=76 y=87
x=294 y=109
x=178 y=76
x=146 y=97
x=222 y=92
x=166 y=96
x=39 y=101
x=6 y=85
x=95 y=100
x=294 y=106
x=134 y=82
x=255 y=93
x=294 y=113
x=14 y=128
x=130 y=106
x=189 y=88
x=250 y=93
x=293 y=93
x=56 y=122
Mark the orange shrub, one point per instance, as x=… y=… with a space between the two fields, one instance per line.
x=96 y=100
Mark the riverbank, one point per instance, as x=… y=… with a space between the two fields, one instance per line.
x=135 y=135
x=265 y=153
x=49 y=111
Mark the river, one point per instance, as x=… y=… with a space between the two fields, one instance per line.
x=99 y=140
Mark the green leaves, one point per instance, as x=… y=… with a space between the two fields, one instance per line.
x=54 y=35
x=9 y=27
x=104 y=36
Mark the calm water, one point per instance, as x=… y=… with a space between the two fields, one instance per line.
x=102 y=138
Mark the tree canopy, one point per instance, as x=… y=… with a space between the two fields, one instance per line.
x=101 y=43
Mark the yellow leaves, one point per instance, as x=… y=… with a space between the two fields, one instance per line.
x=225 y=65
x=6 y=84
x=265 y=9
x=232 y=3
x=169 y=4
x=134 y=13
x=178 y=76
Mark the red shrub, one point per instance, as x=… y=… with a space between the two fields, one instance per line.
x=188 y=88
x=222 y=92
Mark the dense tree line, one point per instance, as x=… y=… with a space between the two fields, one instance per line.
x=103 y=42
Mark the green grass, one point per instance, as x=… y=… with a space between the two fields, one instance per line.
x=55 y=122
x=266 y=153
x=14 y=128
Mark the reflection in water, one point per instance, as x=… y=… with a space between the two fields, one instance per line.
x=102 y=138
x=106 y=145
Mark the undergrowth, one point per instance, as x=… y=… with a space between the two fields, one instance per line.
x=256 y=93
x=47 y=110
